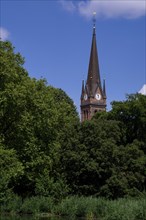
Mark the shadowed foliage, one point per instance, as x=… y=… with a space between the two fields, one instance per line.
x=45 y=150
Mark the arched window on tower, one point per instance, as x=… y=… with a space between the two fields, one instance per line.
x=87 y=114
x=84 y=115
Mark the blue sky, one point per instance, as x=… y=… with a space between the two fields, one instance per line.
x=55 y=39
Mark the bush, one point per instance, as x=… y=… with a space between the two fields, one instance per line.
x=121 y=209
x=74 y=206
x=12 y=204
x=67 y=207
x=126 y=209
x=81 y=206
x=35 y=205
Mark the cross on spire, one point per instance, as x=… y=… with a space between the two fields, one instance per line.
x=94 y=19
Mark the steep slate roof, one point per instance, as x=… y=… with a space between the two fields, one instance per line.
x=93 y=79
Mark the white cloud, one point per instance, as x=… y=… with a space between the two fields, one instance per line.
x=113 y=8
x=4 y=34
x=143 y=90
x=107 y=8
x=68 y=5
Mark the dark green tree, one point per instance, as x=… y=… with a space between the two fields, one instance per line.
x=35 y=120
x=111 y=159
x=11 y=169
x=132 y=113
x=46 y=151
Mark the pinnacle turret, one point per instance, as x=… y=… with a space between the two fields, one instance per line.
x=104 y=89
x=83 y=90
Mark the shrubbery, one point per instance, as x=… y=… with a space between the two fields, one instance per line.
x=45 y=150
x=87 y=207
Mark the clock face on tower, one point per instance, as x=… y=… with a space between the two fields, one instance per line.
x=85 y=96
x=98 y=96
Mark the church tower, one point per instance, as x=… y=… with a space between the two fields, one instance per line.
x=93 y=94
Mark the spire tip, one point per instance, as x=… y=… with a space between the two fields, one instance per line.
x=94 y=19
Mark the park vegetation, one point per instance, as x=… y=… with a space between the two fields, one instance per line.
x=46 y=153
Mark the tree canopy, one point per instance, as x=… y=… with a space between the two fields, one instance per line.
x=46 y=151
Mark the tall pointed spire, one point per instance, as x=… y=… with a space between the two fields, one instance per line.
x=93 y=78
x=93 y=96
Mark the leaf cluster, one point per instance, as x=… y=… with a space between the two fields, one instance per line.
x=46 y=151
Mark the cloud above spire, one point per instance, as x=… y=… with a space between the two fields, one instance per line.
x=4 y=34
x=68 y=5
x=130 y=9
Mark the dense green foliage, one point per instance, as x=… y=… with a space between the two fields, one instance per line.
x=87 y=207
x=37 y=121
x=46 y=151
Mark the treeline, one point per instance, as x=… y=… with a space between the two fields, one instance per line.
x=46 y=151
